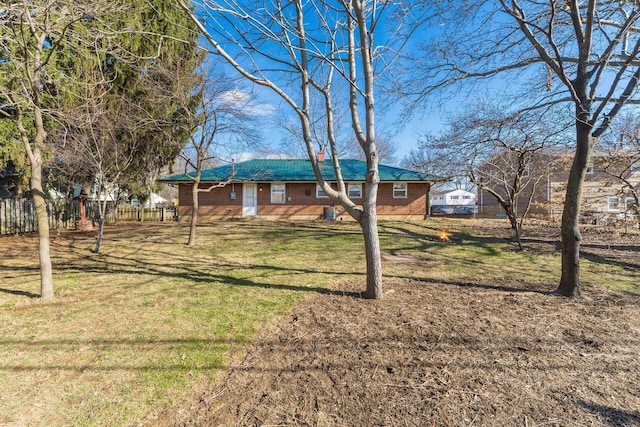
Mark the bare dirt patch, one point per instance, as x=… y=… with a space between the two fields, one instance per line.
x=491 y=353
x=432 y=354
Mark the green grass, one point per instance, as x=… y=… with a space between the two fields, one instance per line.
x=138 y=328
x=474 y=257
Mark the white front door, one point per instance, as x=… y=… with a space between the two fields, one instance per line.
x=249 y=200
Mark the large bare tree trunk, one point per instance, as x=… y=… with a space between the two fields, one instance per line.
x=570 y=231
x=46 y=271
x=33 y=149
x=513 y=218
x=369 y=224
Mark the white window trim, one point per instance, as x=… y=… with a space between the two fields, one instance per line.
x=320 y=194
x=359 y=186
x=609 y=209
x=406 y=190
x=629 y=203
x=283 y=192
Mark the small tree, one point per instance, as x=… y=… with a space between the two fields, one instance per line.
x=507 y=177
x=99 y=138
x=222 y=118
x=129 y=122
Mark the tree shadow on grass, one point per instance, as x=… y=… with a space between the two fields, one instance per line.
x=501 y=288
x=613 y=416
x=203 y=277
x=531 y=244
x=19 y=293
x=185 y=270
x=600 y=259
x=429 y=239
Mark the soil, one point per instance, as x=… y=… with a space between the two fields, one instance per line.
x=434 y=354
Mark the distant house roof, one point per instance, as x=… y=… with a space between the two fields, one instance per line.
x=294 y=170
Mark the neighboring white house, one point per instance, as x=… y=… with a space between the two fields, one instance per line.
x=453 y=198
x=453 y=201
x=154 y=201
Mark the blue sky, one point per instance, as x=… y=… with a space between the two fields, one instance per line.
x=405 y=138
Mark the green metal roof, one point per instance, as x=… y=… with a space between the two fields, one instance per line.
x=294 y=170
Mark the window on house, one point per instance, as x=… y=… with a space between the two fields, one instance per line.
x=355 y=191
x=320 y=194
x=613 y=204
x=456 y=197
x=278 y=193
x=630 y=204
x=400 y=190
x=466 y=196
x=441 y=197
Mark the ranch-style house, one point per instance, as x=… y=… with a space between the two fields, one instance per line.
x=286 y=188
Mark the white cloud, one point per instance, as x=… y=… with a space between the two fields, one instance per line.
x=237 y=97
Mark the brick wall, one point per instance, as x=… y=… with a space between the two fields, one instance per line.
x=300 y=202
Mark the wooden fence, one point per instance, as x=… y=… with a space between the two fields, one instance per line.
x=19 y=215
x=127 y=213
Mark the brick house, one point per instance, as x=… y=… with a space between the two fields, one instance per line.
x=277 y=188
x=603 y=197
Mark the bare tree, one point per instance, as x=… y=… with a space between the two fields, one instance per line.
x=324 y=53
x=500 y=154
x=430 y=159
x=581 y=52
x=385 y=146
x=99 y=137
x=33 y=36
x=508 y=177
x=223 y=118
